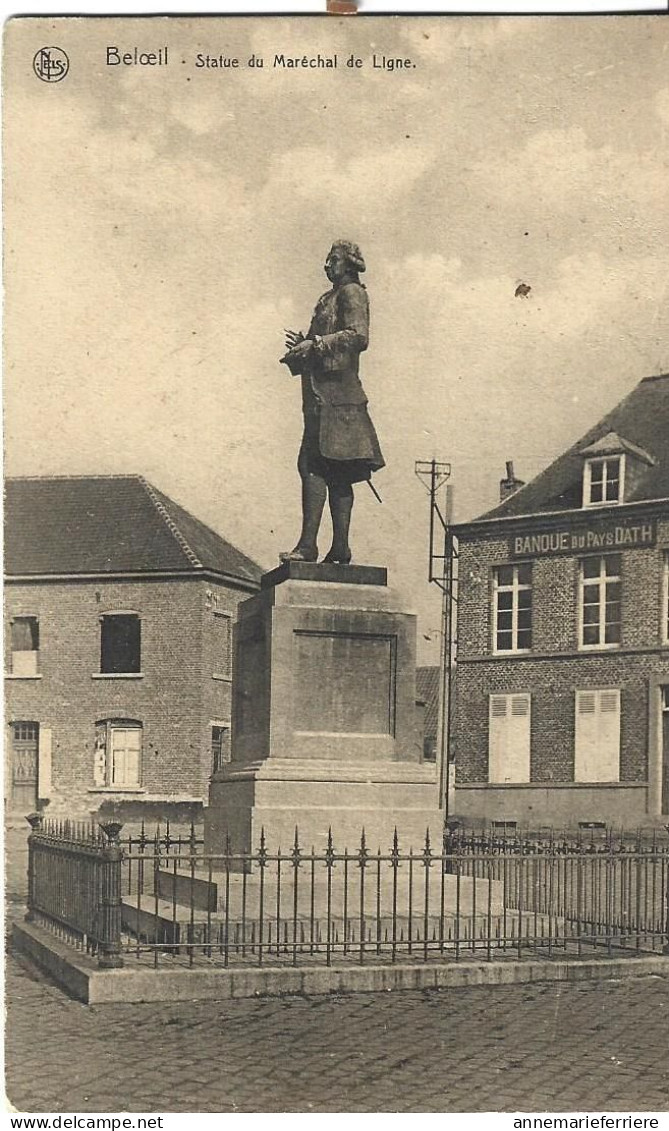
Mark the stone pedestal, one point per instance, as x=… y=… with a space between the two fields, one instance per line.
x=324 y=732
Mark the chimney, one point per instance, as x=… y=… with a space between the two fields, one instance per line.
x=510 y=485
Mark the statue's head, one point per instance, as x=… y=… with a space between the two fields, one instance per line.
x=344 y=258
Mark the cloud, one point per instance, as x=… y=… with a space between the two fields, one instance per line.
x=559 y=170
x=379 y=175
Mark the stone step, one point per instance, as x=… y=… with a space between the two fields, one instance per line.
x=469 y=896
x=176 y=927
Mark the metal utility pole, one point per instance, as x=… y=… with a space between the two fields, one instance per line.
x=442 y=571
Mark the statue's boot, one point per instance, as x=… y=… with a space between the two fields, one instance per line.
x=341 y=505
x=314 y=492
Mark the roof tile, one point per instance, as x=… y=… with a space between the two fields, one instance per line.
x=109 y=524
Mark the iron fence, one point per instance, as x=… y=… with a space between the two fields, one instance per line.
x=168 y=903
x=74 y=884
x=613 y=879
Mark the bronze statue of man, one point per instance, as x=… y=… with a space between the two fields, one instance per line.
x=339 y=445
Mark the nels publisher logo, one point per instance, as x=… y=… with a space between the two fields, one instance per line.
x=51 y=64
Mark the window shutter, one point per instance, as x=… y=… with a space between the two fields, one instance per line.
x=133 y=750
x=44 y=762
x=100 y=758
x=126 y=747
x=597 y=745
x=498 y=706
x=509 y=738
x=609 y=734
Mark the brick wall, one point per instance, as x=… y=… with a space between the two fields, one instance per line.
x=552 y=684
x=556 y=668
x=218 y=600
x=175 y=698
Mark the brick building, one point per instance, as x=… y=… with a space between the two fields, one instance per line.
x=562 y=701
x=119 y=608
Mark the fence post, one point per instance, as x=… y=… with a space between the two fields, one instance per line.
x=109 y=940
x=665 y=949
x=35 y=820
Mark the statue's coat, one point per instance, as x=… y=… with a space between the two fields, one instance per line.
x=331 y=383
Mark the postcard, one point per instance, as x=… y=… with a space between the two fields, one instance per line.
x=336 y=426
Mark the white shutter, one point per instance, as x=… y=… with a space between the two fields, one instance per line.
x=44 y=762
x=597 y=745
x=497 y=738
x=126 y=748
x=609 y=735
x=509 y=738
x=133 y=751
x=100 y=756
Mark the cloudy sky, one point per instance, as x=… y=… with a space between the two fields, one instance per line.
x=164 y=224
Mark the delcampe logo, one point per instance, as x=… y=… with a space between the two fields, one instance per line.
x=51 y=64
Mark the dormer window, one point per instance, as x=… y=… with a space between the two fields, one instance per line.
x=613 y=470
x=604 y=481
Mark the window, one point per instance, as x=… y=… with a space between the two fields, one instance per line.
x=24 y=645
x=221 y=752
x=597 y=745
x=118 y=753
x=512 y=588
x=222 y=646
x=509 y=738
x=603 y=481
x=120 y=644
x=601 y=591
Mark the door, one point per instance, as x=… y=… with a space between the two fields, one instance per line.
x=665 y=750
x=25 y=744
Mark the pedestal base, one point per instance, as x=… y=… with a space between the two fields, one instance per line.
x=279 y=796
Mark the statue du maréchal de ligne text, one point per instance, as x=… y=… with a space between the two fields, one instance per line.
x=339 y=445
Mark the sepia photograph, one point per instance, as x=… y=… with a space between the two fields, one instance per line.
x=336 y=567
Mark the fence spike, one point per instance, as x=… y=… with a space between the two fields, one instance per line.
x=329 y=851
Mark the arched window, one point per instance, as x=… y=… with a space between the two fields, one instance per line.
x=118 y=753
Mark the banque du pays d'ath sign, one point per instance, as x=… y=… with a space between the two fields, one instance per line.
x=606 y=536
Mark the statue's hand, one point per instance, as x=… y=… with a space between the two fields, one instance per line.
x=301 y=351
x=293 y=338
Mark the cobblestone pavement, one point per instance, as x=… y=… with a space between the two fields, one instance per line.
x=587 y=1046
